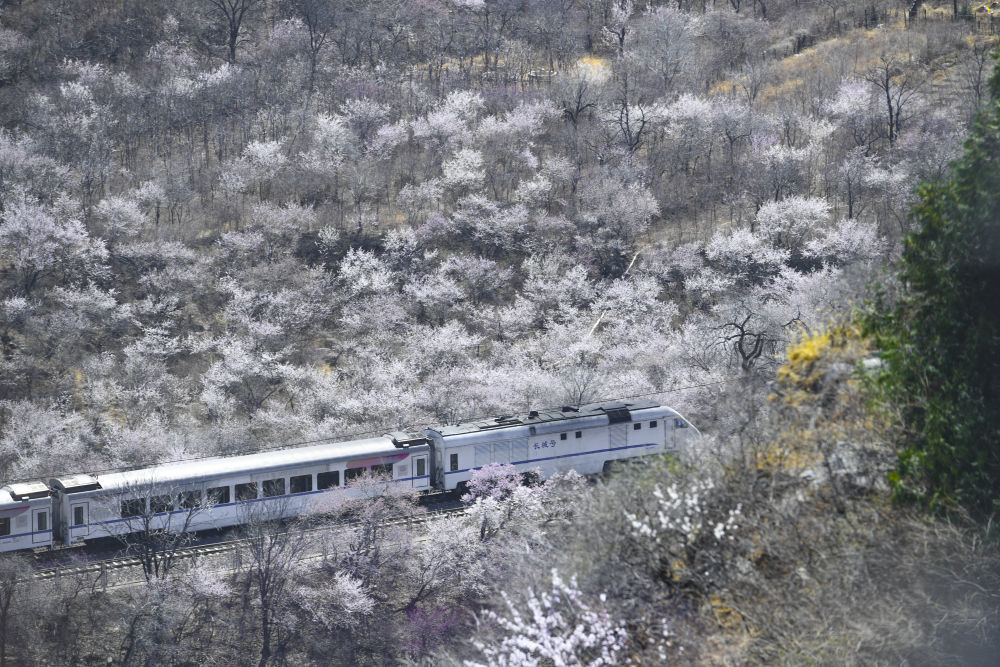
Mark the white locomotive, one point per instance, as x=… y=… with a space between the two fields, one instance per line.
x=213 y=493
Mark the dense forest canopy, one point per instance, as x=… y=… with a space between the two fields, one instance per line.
x=228 y=225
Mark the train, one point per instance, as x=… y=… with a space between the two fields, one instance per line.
x=221 y=492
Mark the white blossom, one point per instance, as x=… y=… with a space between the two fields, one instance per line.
x=680 y=512
x=558 y=627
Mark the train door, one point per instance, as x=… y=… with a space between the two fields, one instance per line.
x=618 y=435
x=519 y=450
x=79 y=518
x=40 y=525
x=674 y=436
x=420 y=472
x=501 y=452
x=58 y=523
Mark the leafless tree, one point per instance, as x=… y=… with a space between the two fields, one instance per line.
x=752 y=341
x=899 y=81
x=580 y=379
x=269 y=555
x=754 y=78
x=233 y=13
x=630 y=108
x=158 y=523
x=577 y=97
x=15 y=572
x=975 y=68
x=372 y=504
x=319 y=17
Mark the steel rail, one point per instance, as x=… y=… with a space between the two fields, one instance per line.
x=104 y=566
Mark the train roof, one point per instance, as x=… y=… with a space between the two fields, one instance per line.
x=199 y=470
x=6 y=499
x=27 y=490
x=607 y=412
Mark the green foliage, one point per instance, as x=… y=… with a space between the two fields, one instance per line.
x=941 y=342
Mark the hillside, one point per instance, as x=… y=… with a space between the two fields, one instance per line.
x=236 y=225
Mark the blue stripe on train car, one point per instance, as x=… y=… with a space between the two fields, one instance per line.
x=36 y=532
x=562 y=456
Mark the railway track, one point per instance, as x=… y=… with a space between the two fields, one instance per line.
x=103 y=568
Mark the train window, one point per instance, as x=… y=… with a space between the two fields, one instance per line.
x=383 y=469
x=78 y=515
x=328 y=480
x=274 y=487
x=579 y=434
x=188 y=500
x=246 y=491
x=421 y=467
x=218 y=495
x=563 y=436
x=301 y=483
x=453 y=460
x=133 y=507
x=636 y=427
x=680 y=423
x=4 y=526
x=159 y=504
x=652 y=424
x=43 y=521
x=353 y=473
